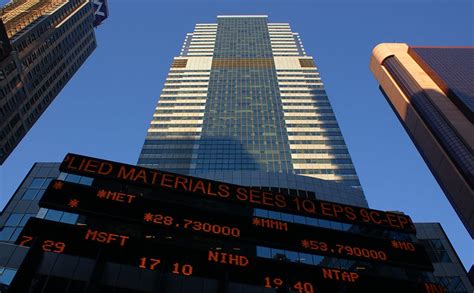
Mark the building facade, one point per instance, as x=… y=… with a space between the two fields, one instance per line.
x=21 y=207
x=257 y=117
x=43 y=43
x=244 y=95
x=448 y=269
x=431 y=90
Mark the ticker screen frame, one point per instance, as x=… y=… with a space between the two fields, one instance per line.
x=167 y=182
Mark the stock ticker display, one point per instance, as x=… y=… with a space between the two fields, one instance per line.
x=165 y=255
x=166 y=182
x=255 y=230
x=174 y=235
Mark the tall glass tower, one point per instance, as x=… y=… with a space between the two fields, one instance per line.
x=244 y=96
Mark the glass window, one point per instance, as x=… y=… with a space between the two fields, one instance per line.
x=263 y=252
x=346 y=227
x=25 y=219
x=86 y=180
x=41 y=213
x=274 y=215
x=299 y=219
x=312 y=221
x=287 y=217
x=324 y=223
x=53 y=215
x=69 y=218
x=436 y=250
x=16 y=234
x=73 y=178
x=305 y=258
x=6 y=275
x=317 y=259
x=261 y=213
x=453 y=284
x=46 y=182
x=278 y=254
x=291 y=255
x=30 y=194
x=6 y=233
x=40 y=193
x=336 y=225
x=14 y=220
x=37 y=182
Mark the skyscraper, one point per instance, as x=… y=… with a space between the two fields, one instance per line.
x=42 y=44
x=224 y=119
x=244 y=95
x=431 y=90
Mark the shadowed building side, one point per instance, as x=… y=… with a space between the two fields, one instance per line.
x=42 y=45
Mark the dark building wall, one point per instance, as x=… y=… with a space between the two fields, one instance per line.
x=471 y=274
x=451 y=69
x=46 y=54
x=5 y=47
x=24 y=202
x=449 y=270
x=22 y=206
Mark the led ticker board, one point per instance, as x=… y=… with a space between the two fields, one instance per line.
x=166 y=183
x=254 y=230
x=149 y=254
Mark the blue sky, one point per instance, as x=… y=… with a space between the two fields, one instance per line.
x=104 y=111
